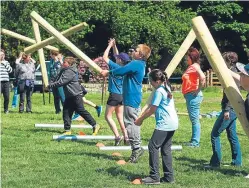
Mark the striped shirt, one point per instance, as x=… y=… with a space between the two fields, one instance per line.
x=5 y=69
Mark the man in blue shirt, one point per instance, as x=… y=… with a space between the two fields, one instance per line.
x=133 y=74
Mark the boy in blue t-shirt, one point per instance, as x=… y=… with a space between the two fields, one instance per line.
x=115 y=87
x=133 y=74
x=166 y=123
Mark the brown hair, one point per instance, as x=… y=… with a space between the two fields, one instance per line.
x=145 y=51
x=54 y=52
x=194 y=55
x=24 y=56
x=230 y=58
x=70 y=60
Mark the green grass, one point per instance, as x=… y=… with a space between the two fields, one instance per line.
x=31 y=159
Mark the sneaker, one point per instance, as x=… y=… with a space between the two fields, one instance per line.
x=209 y=166
x=127 y=142
x=96 y=130
x=6 y=111
x=118 y=140
x=192 y=145
x=247 y=177
x=75 y=116
x=150 y=181
x=99 y=110
x=164 y=180
x=67 y=132
x=135 y=155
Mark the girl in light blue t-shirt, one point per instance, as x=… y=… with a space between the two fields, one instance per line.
x=166 y=123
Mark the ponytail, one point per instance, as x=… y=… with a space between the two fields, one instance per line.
x=167 y=84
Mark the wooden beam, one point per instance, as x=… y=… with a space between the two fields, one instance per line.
x=51 y=40
x=64 y=40
x=24 y=39
x=180 y=53
x=218 y=64
x=40 y=53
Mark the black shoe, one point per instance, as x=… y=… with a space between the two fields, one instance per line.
x=164 y=180
x=150 y=181
x=20 y=111
x=29 y=112
x=135 y=155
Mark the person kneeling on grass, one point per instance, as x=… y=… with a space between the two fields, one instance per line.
x=166 y=123
x=73 y=94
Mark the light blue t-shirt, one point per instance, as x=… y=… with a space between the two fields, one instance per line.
x=115 y=83
x=166 y=116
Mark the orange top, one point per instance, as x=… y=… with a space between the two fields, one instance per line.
x=190 y=80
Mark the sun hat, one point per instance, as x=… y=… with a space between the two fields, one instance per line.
x=243 y=68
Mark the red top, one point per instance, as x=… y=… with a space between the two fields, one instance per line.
x=190 y=80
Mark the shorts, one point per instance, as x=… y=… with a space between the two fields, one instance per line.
x=115 y=99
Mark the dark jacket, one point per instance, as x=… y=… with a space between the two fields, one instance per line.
x=225 y=104
x=68 y=78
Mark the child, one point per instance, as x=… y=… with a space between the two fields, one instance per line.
x=133 y=74
x=163 y=106
x=73 y=94
x=115 y=100
x=85 y=101
x=226 y=121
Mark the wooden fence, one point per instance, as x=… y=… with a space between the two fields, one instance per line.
x=211 y=78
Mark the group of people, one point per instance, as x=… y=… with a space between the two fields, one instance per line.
x=125 y=88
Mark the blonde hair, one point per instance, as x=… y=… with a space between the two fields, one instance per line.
x=54 y=52
x=145 y=51
x=70 y=60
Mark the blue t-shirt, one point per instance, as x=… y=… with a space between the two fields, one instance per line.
x=166 y=116
x=115 y=83
x=133 y=74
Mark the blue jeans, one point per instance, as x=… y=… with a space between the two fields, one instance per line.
x=230 y=126
x=58 y=96
x=193 y=105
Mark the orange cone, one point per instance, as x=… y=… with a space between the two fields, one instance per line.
x=121 y=162
x=99 y=144
x=137 y=181
x=116 y=154
x=82 y=133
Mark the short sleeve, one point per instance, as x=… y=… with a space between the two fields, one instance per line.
x=156 y=100
x=113 y=65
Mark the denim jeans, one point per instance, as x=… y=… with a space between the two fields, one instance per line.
x=58 y=96
x=230 y=126
x=193 y=105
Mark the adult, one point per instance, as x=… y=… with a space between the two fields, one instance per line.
x=226 y=121
x=193 y=79
x=5 y=69
x=25 y=75
x=53 y=68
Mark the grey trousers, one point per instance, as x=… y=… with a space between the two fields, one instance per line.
x=161 y=140
x=130 y=115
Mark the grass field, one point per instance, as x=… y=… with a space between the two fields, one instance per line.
x=30 y=158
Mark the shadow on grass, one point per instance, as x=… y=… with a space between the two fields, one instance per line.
x=199 y=165
x=118 y=171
